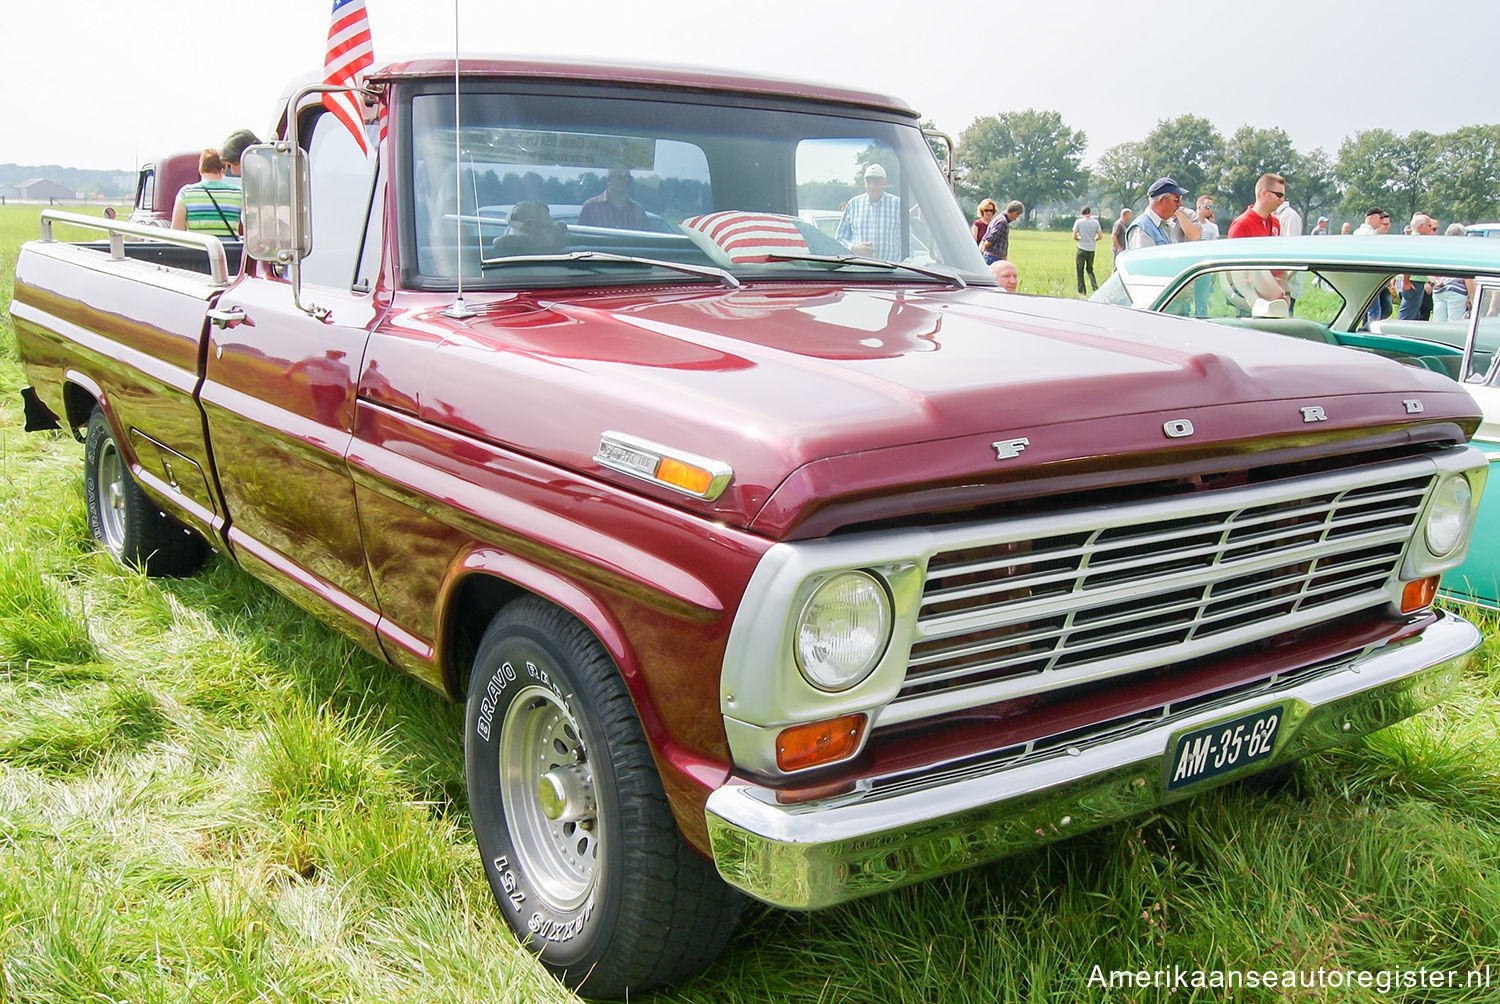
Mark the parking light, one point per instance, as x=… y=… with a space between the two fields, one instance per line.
x=1419 y=594
x=813 y=744
x=700 y=477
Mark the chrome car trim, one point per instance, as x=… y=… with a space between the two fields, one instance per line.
x=638 y=457
x=991 y=611
x=218 y=261
x=818 y=853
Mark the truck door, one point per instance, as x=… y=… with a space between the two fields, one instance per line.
x=278 y=394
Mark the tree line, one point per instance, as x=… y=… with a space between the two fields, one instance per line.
x=1035 y=157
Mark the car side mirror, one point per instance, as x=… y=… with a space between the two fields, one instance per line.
x=277 y=220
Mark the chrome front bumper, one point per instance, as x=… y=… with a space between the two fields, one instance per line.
x=819 y=853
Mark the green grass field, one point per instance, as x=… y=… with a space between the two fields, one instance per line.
x=207 y=796
x=1044 y=262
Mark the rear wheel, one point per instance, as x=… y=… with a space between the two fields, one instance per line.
x=579 y=844
x=124 y=521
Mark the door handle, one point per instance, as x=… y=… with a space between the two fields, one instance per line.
x=231 y=318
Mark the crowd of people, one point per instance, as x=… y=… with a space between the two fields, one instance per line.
x=1167 y=220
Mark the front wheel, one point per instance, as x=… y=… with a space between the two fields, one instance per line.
x=125 y=522
x=579 y=845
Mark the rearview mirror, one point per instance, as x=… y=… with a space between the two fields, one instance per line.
x=277 y=222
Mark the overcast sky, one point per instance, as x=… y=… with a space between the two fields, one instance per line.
x=105 y=84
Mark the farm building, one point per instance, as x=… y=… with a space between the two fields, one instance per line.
x=41 y=188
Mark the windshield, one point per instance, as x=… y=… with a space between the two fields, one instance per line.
x=543 y=189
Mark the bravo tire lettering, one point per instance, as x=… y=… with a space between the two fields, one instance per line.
x=554 y=930
x=508 y=882
x=505 y=674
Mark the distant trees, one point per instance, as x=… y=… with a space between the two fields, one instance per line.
x=1035 y=157
x=1465 y=175
x=1122 y=174
x=1188 y=149
x=1027 y=155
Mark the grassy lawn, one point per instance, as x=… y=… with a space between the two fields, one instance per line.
x=207 y=796
x=1044 y=262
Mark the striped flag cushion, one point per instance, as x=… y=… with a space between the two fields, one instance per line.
x=750 y=237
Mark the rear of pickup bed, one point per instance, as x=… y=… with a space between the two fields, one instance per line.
x=122 y=327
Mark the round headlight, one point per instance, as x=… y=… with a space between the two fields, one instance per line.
x=1448 y=516
x=843 y=630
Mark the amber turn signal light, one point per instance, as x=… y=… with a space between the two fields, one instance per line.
x=799 y=747
x=1418 y=594
x=693 y=480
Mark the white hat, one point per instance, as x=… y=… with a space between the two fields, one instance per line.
x=875 y=171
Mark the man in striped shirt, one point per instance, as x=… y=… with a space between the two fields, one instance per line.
x=871 y=225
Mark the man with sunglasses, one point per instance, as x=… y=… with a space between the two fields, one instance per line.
x=1259 y=219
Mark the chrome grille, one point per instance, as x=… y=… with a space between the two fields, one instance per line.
x=1091 y=594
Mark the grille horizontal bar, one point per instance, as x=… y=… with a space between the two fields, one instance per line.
x=1086 y=595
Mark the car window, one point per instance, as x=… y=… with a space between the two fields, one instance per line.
x=339 y=182
x=1112 y=291
x=1234 y=292
x=1481 y=358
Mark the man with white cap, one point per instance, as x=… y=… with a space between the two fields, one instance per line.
x=1321 y=230
x=871 y=224
x=1156 y=224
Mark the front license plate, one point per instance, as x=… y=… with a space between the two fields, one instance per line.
x=1222 y=747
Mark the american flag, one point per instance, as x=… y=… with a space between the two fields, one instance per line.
x=750 y=237
x=349 y=55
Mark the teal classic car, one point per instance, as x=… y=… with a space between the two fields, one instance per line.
x=1320 y=289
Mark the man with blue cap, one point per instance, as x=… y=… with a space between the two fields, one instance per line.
x=1164 y=221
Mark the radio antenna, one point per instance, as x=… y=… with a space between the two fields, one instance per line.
x=458 y=308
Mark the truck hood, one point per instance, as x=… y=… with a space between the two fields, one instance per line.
x=862 y=400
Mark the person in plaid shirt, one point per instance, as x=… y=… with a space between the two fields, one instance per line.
x=872 y=221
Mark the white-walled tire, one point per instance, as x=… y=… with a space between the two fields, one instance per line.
x=122 y=519
x=578 y=841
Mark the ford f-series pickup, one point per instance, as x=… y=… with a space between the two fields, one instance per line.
x=767 y=561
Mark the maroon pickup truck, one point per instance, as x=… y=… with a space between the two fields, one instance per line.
x=767 y=561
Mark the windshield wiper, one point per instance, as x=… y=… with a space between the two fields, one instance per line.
x=840 y=260
x=589 y=257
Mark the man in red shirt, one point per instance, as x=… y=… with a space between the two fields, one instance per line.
x=1259 y=220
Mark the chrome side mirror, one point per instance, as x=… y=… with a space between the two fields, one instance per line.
x=277 y=221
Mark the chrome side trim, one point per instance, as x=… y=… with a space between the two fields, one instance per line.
x=823 y=852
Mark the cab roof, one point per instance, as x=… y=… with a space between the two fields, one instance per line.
x=633 y=74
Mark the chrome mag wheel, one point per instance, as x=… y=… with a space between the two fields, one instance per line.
x=547 y=788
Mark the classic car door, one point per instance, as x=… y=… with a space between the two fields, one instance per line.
x=1477 y=580
x=279 y=393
